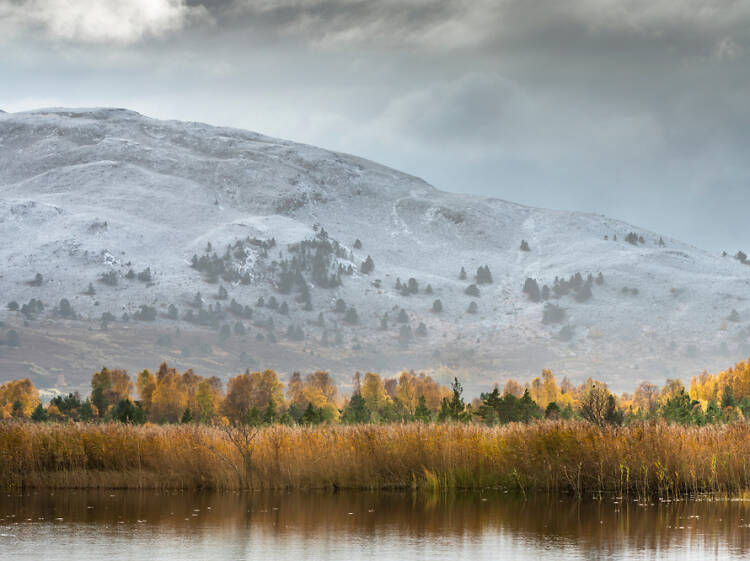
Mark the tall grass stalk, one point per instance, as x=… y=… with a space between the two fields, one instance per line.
x=556 y=457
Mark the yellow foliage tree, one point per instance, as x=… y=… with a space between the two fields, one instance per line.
x=146 y=385
x=373 y=392
x=20 y=392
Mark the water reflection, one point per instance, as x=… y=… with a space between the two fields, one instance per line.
x=147 y=525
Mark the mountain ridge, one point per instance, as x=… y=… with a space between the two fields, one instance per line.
x=84 y=192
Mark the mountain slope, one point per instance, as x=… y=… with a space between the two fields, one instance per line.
x=88 y=192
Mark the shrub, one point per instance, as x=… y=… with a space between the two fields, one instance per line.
x=531 y=289
x=109 y=278
x=552 y=313
x=38 y=280
x=472 y=290
x=145 y=275
x=566 y=333
x=145 y=313
x=12 y=338
x=351 y=316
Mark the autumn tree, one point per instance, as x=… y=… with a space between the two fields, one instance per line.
x=108 y=387
x=544 y=390
x=645 y=398
x=169 y=399
x=513 y=388
x=598 y=405
x=208 y=399
x=19 y=396
x=146 y=385
x=373 y=392
x=251 y=390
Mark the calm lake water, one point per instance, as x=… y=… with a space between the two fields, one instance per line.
x=355 y=525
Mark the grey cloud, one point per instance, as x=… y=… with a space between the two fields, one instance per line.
x=97 y=21
x=717 y=27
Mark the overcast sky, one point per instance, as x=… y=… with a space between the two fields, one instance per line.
x=638 y=109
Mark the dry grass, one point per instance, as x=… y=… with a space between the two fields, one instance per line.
x=559 y=457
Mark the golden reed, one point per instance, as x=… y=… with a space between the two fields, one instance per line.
x=561 y=457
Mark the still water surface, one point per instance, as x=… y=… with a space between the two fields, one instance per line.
x=86 y=525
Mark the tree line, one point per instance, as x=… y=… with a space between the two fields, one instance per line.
x=260 y=398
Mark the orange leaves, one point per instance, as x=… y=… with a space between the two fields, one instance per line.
x=250 y=390
x=16 y=392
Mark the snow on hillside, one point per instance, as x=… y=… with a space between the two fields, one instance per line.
x=85 y=192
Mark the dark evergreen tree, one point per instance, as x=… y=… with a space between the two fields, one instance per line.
x=311 y=416
x=412 y=286
x=552 y=411
x=404 y=336
x=531 y=289
x=356 y=410
x=39 y=414
x=367 y=266
x=454 y=409
x=483 y=276
x=125 y=411
x=422 y=412
x=351 y=316
x=270 y=416
x=187 y=416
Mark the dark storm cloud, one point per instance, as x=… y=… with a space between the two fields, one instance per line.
x=634 y=108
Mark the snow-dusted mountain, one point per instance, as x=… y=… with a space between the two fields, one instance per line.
x=87 y=195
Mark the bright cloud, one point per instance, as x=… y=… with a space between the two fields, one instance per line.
x=98 y=21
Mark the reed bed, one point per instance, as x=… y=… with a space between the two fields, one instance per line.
x=558 y=457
